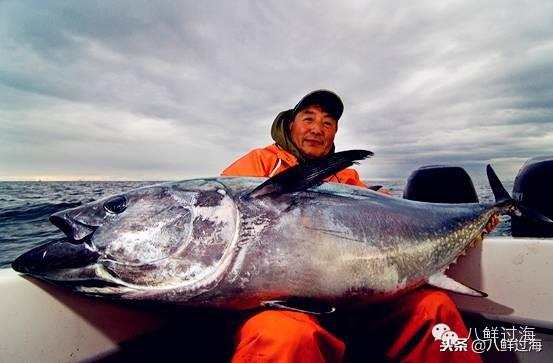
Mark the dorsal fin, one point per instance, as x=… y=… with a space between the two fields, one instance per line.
x=310 y=173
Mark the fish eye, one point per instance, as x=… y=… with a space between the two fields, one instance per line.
x=116 y=205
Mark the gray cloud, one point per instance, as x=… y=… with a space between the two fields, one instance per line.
x=135 y=90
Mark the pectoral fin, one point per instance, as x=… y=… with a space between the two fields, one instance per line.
x=440 y=280
x=300 y=304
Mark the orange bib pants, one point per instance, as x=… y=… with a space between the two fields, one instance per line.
x=399 y=331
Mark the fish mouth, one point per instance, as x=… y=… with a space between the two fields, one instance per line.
x=69 y=264
x=73 y=252
x=60 y=254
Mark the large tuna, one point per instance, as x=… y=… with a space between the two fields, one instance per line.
x=233 y=243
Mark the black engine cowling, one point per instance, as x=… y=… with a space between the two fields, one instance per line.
x=440 y=184
x=534 y=188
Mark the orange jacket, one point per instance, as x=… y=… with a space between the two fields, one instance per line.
x=272 y=159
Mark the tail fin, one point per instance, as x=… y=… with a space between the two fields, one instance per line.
x=499 y=192
x=503 y=200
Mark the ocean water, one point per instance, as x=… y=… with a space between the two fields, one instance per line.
x=26 y=206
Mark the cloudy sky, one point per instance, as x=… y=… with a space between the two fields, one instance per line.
x=174 y=90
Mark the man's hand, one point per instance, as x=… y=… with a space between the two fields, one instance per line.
x=492 y=223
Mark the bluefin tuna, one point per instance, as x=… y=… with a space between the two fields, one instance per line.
x=242 y=243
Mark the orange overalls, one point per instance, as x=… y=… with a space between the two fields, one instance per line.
x=401 y=329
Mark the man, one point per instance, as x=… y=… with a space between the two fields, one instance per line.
x=307 y=132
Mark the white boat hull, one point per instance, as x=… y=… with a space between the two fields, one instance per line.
x=45 y=323
x=516 y=274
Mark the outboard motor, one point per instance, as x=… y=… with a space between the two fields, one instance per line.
x=533 y=187
x=440 y=184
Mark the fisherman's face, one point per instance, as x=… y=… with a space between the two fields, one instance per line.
x=313 y=131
